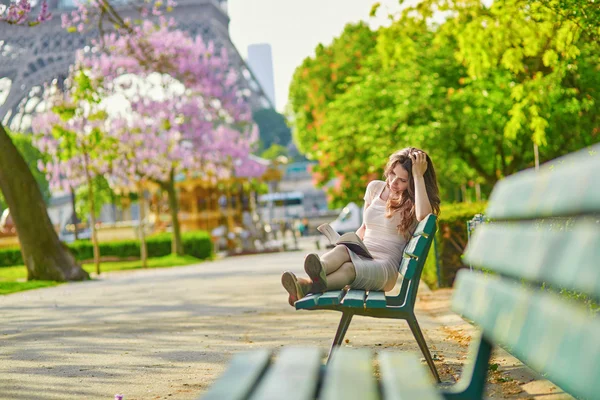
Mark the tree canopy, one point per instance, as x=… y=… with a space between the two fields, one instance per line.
x=477 y=91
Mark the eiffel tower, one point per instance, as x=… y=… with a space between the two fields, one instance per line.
x=31 y=57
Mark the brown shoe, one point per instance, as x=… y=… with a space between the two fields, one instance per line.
x=293 y=287
x=316 y=272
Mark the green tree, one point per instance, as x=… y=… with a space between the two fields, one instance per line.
x=321 y=78
x=475 y=98
x=272 y=127
x=74 y=132
x=551 y=71
x=275 y=151
x=584 y=13
x=102 y=194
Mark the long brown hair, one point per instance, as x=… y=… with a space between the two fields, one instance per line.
x=405 y=202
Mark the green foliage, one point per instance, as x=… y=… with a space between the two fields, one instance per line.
x=196 y=244
x=320 y=78
x=476 y=92
x=103 y=194
x=274 y=151
x=272 y=127
x=584 y=13
x=32 y=156
x=460 y=212
x=452 y=237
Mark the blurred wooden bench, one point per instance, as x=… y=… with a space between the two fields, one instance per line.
x=297 y=373
x=376 y=304
x=540 y=253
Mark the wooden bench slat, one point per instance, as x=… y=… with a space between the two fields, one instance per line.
x=294 y=375
x=404 y=378
x=551 y=335
x=331 y=298
x=416 y=246
x=564 y=186
x=350 y=376
x=307 y=302
x=376 y=300
x=426 y=227
x=563 y=258
x=241 y=376
x=355 y=298
x=408 y=266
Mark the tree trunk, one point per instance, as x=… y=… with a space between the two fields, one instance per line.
x=92 y=215
x=74 y=215
x=169 y=186
x=143 y=247
x=44 y=255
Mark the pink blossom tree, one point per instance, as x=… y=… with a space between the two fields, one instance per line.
x=72 y=132
x=212 y=113
x=19 y=13
x=182 y=134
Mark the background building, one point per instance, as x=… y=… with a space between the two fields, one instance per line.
x=260 y=61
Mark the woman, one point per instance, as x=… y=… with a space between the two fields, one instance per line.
x=391 y=212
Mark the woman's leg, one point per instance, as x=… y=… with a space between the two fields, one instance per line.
x=296 y=287
x=319 y=268
x=334 y=259
x=343 y=276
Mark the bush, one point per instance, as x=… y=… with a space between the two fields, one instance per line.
x=451 y=240
x=197 y=244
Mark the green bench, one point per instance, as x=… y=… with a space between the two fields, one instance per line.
x=376 y=304
x=544 y=239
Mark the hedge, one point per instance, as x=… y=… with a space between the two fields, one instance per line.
x=196 y=244
x=451 y=240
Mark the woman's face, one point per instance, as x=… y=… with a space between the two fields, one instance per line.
x=398 y=179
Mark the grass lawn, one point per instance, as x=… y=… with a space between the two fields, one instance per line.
x=12 y=279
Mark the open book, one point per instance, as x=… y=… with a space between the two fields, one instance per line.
x=349 y=239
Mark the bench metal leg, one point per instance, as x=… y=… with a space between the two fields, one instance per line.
x=472 y=382
x=416 y=330
x=341 y=332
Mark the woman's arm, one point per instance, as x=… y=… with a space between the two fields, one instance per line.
x=361 y=231
x=368 y=198
x=422 y=203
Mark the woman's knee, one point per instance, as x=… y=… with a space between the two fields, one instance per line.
x=348 y=269
x=340 y=248
x=342 y=252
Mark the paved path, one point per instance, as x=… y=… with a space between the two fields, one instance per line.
x=167 y=334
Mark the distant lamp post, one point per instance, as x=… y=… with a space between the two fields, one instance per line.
x=278 y=163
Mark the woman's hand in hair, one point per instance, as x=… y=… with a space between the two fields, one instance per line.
x=419 y=164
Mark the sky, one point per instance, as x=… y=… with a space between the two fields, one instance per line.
x=294 y=28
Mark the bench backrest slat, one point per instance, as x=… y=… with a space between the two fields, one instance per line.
x=403 y=377
x=566 y=258
x=563 y=187
x=242 y=374
x=295 y=373
x=350 y=376
x=552 y=336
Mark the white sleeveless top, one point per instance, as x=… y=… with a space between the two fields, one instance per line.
x=378 y=226
x=383 y=241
